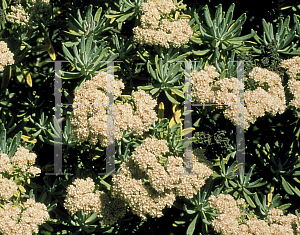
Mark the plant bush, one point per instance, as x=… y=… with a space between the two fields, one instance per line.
x=125 y=155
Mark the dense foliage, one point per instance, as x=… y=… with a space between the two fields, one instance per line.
x=95 y=132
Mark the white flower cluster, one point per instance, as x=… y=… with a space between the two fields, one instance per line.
x=18 y=15
x=89 y=120
x=25 y=220
x=147 y=186
x=165 y=32
x=230 y=211
x=82 y=196
x=257 y=102
x=6 y=56
x=293 y=66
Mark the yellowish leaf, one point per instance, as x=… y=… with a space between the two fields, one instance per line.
x=28 y=139
x=17 y=194
x=22 y=189
x=112 y=20
x=231 y=26
x=161 y=109
x=28 y=78
x=187 y=131
x=176 y=15
x=51 y=52
x=185 y=17
x=172 y=122
x=270 y=195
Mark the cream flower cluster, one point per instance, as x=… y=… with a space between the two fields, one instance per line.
x=83 y=196
x=147 y=186
x=25 y=220
x=154 y=31
x=7 y=188
x=89 y=120
x=18 y=15
x=230 y=211
x=293 y=66
x=6 y=56
x=258 y=102
x=22 y=159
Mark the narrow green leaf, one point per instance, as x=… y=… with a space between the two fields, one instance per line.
x=75 y=50
x=286 y=22
x=286 y=186
x=170 y=98
x=149 y=87
x=174 y=71
x=291 y=35
x=14 y=144
x=2 y=139
x=208 y=17
x=242 y=38
x=154 y=91
x=70 y=75
x=218 y=14
x=257 y=201
x=233 y=183
x=151 y=71
x=201 y=52
x=229 y=15
x=89 y=15
x=67 y=53
x=98 y=14
x=249 y=200
x=175 y=79
x=178 y=92
x=75 y=25
x=192 y=226
x=124 y=17
x=266 y=29
x=92 y=218
x=285 y=206
x=296 y=190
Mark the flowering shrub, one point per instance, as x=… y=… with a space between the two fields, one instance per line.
x=24 y=220
x=148 y=187
x=231 y=212
x=165 y=32
x=81 y=197
x=89 y=119
x=17 y=216
x=173 y=170
x=258 y=102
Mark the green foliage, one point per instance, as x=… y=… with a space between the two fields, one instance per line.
x=264 y=208
x=282 y=39
x=242 y=187
x=79 y=28
x=282 y=165
x=221 y=32
x=198 y=210
x=166 y=77
x=90 y=34
x=128 y=10
x=87 y=60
